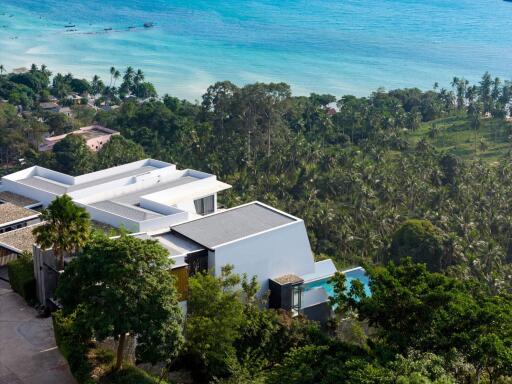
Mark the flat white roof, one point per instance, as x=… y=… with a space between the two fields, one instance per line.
x=142 y=194
x=46 y=183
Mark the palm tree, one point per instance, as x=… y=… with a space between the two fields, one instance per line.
x=2 y=69
x=45 y=71
x=137 y=79
x=116 y=76
x=67 y=228
x=128 y=76
x=95 y=85
x=112 y=72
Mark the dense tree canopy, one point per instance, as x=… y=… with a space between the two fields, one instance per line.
x=420 y=240
x=118 y=151
x=122 y=286
x=73 y=156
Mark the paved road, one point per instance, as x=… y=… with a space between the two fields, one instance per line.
x=28 y=354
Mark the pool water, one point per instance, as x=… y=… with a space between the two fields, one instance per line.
x=351 y=274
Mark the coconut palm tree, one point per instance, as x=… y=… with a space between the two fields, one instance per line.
x=2 y=69
x=112 y=72
x=45 y=71
x=116 y=76
x=67 y=228
x=137 y=80
x=128 y=76
x=95 y=85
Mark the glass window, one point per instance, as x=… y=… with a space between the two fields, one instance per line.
x=205 y=206
x=296 y=297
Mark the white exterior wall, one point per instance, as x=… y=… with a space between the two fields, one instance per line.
x=281 y=251
x=105 y=173
x=24 y=190
x=111 y=218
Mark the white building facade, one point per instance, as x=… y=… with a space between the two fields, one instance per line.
x=142 y=196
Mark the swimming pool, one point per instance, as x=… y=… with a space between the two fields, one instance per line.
x=351 y=274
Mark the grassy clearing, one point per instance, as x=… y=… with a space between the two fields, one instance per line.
x=455 y=135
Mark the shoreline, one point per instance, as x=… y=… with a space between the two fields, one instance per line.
x=190 y=49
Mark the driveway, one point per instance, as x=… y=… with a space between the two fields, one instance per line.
x=28 y=354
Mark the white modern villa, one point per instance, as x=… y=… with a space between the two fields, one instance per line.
x=142 y=196
x=178 y=208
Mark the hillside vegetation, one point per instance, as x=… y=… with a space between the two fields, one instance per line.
x=454 y=135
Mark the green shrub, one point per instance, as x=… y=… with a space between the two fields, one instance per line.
x=72 y=343
x=21 y=276
x=132 y=375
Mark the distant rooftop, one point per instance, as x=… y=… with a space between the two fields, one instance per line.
x=89 y=133
x=233 y=224
x=14 y=198
x=49 y=105
x=10 y=213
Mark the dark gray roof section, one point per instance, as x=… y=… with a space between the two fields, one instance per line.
x=234 y=224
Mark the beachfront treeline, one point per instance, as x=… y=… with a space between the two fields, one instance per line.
x=29 y=87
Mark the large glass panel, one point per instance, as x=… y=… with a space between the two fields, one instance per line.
x=205 y=205
x=296 y=297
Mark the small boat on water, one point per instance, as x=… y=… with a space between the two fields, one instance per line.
x=149 y=25
x=70 y=26
x=107 y=29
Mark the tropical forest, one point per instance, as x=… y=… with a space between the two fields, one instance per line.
x=414 y=185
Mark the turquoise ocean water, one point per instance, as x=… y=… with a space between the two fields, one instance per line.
x=339 y=47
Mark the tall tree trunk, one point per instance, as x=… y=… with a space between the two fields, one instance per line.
x=120 y=352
